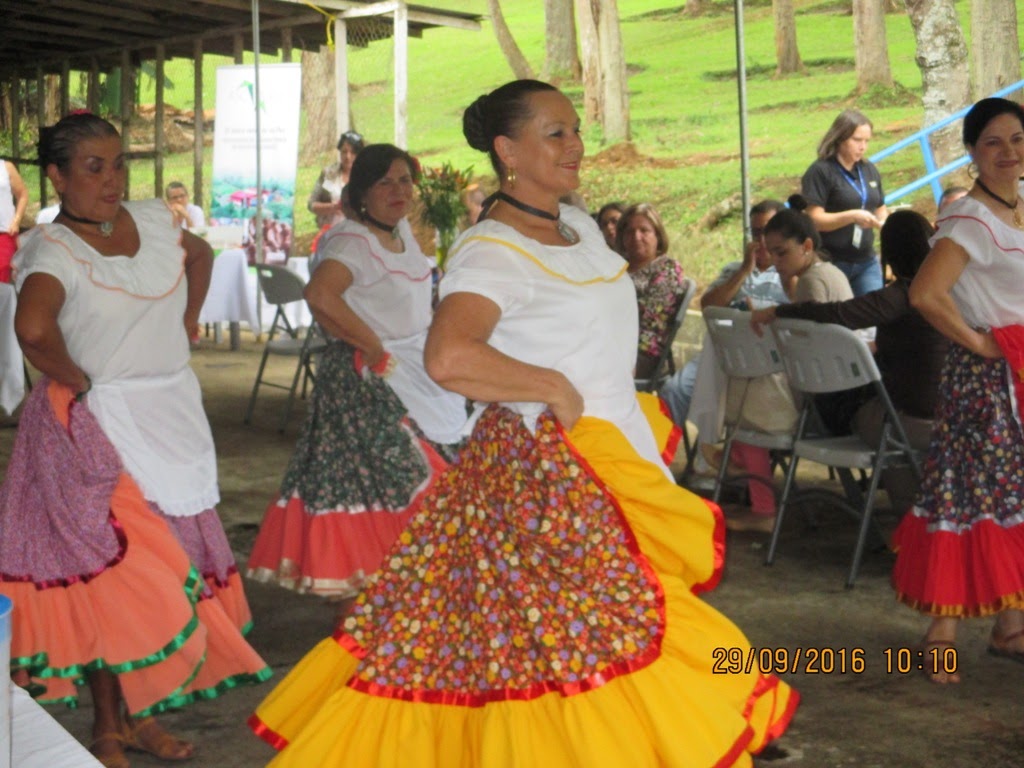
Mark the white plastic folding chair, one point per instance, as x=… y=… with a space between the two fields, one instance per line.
x=744 y=356
x=281 y=287
x=821 y=358
x=666 y=366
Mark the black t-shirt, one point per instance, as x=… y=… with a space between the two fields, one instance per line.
x=828 y=184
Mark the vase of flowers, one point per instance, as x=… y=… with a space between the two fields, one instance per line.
x=441 y=194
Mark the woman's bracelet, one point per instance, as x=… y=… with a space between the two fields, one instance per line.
x=84 y=392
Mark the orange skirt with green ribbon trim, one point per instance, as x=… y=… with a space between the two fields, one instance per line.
x=540 y=610
x=145 y=614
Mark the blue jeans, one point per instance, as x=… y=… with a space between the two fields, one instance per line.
x=864 y=276
x=677 y=391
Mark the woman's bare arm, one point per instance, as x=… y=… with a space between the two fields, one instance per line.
x=35 y=323
x=458 y=357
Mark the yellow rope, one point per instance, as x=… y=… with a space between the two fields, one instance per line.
x=331 y=18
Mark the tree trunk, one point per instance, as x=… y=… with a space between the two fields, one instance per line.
x=995 y=54
x=942 y=58
x=870 y=46
x=605 y=90
x=786 y=52
x=695 y=7
x=561 y=61
x=615 y=89
x=586 y=20
x=321 y=134
x=517 y=62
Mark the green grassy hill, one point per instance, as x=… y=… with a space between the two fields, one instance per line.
x=684 y=157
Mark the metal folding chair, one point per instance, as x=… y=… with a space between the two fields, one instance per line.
x=281 y=287
x=822 y=358
x=744 y=356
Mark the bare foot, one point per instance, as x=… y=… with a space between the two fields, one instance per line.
x=1007 y=640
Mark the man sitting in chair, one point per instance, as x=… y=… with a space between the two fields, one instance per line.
x=748 y=284
x=187 y=215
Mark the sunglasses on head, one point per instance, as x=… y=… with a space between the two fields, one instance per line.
x=351 y=137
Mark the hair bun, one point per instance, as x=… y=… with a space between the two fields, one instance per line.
x=474 y=125
x=797 y=202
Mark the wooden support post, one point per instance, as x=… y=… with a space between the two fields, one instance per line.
x=341 y=101
x=158 y=135
x=197 y=144
x=126 y=115
x=401 y=74
x=40 y=122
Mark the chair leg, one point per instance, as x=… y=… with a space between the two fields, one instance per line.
x=291 y=392
x=780 y=512
x=255 y=388
x=723 y=468
x=865 y=524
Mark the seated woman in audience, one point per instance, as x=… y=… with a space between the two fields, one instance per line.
x=657 y=277
x=910 y=352
x=795 y=246
x=608 y=218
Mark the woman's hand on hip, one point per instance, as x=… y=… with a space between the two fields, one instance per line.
x=566 y=404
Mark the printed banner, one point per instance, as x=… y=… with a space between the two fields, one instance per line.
x=235 y=196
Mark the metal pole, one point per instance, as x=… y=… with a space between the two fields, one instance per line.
x=741 y=86
x=260 y=257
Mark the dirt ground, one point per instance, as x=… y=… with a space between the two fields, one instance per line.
x=869 y=718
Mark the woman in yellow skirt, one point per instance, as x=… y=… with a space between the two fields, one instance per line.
x=541 y=609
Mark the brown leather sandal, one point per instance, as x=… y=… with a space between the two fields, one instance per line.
x=147 y=736
x=118 y=760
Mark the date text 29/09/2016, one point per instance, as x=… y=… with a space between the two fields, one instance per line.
x=826 y=660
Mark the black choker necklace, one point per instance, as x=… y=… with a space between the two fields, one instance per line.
x=106 y=227
x=564 y=229
x=381 y=225
x=1012 y=206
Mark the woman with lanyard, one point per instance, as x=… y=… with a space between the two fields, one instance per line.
x=846 y=202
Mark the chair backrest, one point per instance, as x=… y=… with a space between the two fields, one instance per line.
x=823 y=357
x=279 y=284
x=739 y=350
x=664 y=365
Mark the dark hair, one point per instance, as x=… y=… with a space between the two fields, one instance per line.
x=370 y=166
x=353 y=139
x=794 y=224
x=499 y=113
x=842 y=128
x=174 y=185
x=904 y=242
x=649 y=212
x=949 y=192
x=57 y=142
x=983 y=112
x=612 y=206
x=766 y=206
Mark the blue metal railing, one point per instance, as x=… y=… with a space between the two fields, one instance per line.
x=920 y=138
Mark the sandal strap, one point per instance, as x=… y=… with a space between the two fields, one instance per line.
x=1002 y=639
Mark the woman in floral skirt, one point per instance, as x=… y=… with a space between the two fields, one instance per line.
x=541 y=608
x=960 y=549
x=366 y=454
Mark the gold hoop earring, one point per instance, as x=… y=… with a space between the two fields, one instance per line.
x=972 y=170
x=510 y=177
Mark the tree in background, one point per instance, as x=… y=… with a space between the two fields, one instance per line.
x=516 y=61
x=787 y=54
x=995 y=53
x=561 y=60
x=605 y=90
x=318 y=100
x=941 y=56
x=871 y=50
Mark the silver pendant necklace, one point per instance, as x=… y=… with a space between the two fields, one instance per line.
x=106 y=227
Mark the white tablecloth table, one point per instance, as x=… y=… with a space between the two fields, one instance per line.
x=39 y=741
x=233 y=289
x=12 y=364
